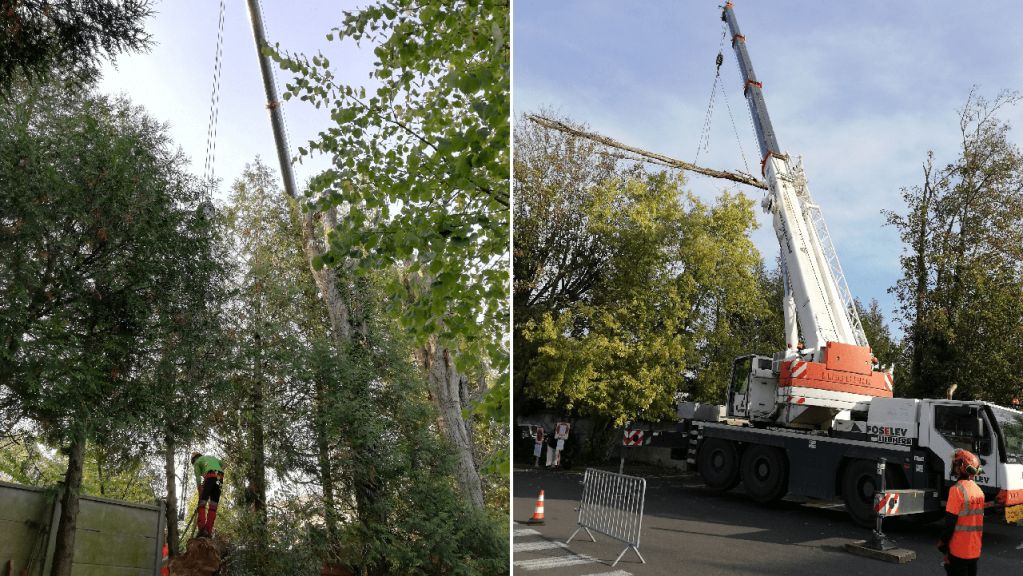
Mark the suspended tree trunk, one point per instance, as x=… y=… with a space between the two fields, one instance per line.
x=64 y=551
x=445 y=384
x=170 y=506
x=646 y=155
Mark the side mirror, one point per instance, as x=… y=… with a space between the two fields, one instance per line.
x=978 y=427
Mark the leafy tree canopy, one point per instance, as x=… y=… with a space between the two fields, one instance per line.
x=961 y=293
x=420 y=163
x=38 y=37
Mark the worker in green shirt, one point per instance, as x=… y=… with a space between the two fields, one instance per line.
x=209 y=478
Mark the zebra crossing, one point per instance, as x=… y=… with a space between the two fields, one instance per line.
x=547 y=554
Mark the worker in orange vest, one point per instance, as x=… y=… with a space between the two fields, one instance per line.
x=964 y=517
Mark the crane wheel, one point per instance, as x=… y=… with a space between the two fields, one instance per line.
x=859 y=483
x=718 y=464
x=765 y=473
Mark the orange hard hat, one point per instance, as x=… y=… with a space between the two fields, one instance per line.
x=965 y=463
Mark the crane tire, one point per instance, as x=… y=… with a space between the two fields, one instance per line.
x=859 y=483
x=718 y=464
x=765 y=473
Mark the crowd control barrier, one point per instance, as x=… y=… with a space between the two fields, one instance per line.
x=612 y=504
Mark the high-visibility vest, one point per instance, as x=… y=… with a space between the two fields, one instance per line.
x=966 y=501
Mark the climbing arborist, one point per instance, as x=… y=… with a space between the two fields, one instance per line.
x=964 y=517
x=209 y=478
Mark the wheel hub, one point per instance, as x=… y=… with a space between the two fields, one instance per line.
x=762 y=469
x=718 y=460
x=867 y=488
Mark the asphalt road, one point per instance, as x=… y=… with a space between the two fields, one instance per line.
x=690 y=530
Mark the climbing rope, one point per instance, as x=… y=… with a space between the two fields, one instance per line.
x=211 y=133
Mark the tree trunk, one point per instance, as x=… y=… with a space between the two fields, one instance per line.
x=323 y=457
x=326 y=281
x=920 y=272
x=257 y=464
x=444 y=382
x=63 y=553
x=171 y=504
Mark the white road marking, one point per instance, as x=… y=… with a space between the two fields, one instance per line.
x=834 y=541
x=559 y=562
x=541 y=545
x=823 y=505
x=615 y=573
x=526 y=532
x=694 y=485
x=1020 y=547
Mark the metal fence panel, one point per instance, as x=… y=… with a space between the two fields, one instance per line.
x=612 y=504
x=112 y=538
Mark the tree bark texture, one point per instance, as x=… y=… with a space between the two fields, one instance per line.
x=326 y=281
x=63 y=554
x=445 y=383
x=171 y=504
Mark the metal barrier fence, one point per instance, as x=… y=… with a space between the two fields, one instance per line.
x=612 y=504
x=112 y=538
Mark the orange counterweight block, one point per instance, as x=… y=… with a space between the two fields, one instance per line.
x=847 y=368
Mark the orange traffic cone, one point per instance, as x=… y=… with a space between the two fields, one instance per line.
x=537 y=512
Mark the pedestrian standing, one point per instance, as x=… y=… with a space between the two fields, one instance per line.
x=552 y=442
x=964 y=517
x=561 y=434
x=537 y=446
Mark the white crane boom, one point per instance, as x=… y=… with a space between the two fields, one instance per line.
x=827 y=369
x=813 y=293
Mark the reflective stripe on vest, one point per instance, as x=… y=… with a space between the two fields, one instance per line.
x=966 y=540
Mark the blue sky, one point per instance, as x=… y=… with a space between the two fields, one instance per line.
x=174 y=80
x=861 y=90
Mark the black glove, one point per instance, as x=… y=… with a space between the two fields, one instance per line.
x=942 y=547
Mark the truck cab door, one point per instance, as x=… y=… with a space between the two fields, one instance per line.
x=738 y=388
x=957 y=425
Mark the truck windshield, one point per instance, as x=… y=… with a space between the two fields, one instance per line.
x=1011 y=423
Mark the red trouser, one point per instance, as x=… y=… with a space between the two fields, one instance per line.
x=209 y=492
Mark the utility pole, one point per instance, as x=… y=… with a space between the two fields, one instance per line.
x=272 y=103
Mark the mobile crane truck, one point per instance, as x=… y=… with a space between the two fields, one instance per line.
x=815 y=419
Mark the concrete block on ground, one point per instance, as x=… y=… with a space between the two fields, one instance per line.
x=895 y=555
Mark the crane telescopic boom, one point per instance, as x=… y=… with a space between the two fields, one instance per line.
x=827 y=366
x=822 y=314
